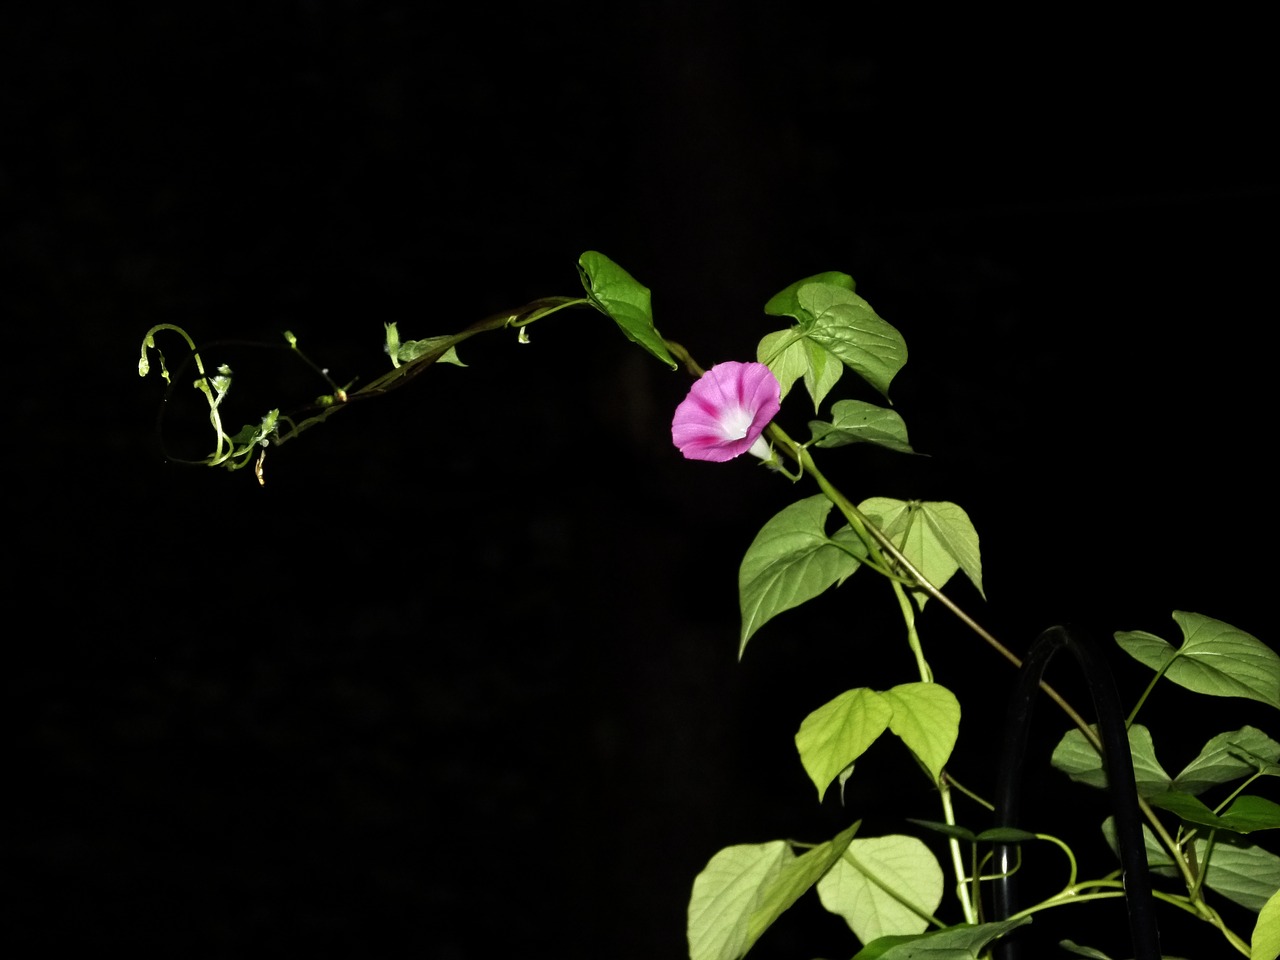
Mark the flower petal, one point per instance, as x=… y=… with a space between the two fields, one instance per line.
x=726 y=411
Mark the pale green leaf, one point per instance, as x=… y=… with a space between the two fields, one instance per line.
x=411 y=350
x=793 y=880
x=846 y=325
x=1229 y=756
x=953 y=533
x=1242 y=872
x=927 y=718
x=797 y=352
x=1258 y=756
x=853 y=421
x=1265 y=943
x=937 y=537
x=837 y=733
x=822 y=371
x=624 y=300
x=786 y=302
x=790 y=354
x=725 y=895
x=1075 y=757
x=961 y=942
x=1215 y=658
x=790 y=561
x=257 y=433
x=784 y=353
x=884 y=886
x=850 y=542
x=895 y=517
x=393 y=343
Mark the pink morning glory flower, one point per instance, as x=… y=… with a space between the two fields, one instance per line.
x=726 y=411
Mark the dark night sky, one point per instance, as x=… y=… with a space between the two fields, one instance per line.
x=461 y=678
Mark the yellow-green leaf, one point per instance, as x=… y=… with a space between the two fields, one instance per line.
x=1265 y=944
x=927 y=718
x=884 y=886
x=743 y=889
x=791 y=560
x=839 y=732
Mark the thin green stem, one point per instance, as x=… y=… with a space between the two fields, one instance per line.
x=975 y=873
x=952 y=781
x=913 y=635
x=202 y=384
x=1071 y=857
x=1208 y=852
x=1235 y=793
x=987 y=857
x=1175 y=852
x=400 y=376
x=965 y=887
x=1133 y=714
x=544 y=308
x=1231 y=936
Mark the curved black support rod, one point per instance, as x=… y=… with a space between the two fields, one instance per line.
x=1119 y=767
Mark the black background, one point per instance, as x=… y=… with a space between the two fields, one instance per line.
x=461 y=679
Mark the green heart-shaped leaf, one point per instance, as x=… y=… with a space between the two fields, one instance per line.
x=624 y=300
x=1215 y=658
x=791 y=560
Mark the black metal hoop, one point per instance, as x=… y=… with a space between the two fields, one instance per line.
x=1119 y=767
